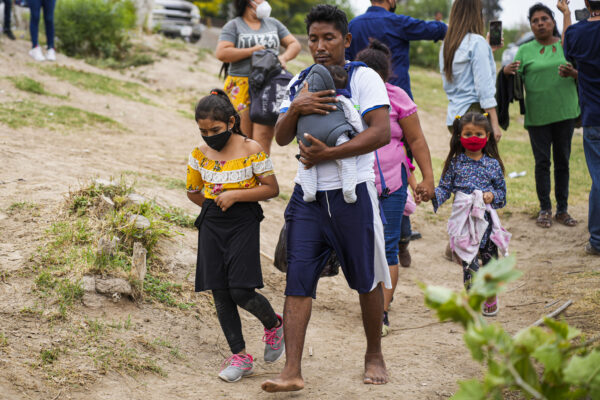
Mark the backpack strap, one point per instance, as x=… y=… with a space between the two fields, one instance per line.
x=301 y=77
x=350 y=67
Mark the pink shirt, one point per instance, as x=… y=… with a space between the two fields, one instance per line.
x=392 y=156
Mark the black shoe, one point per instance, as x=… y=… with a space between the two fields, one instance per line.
x=10 y=35
x=415 y=235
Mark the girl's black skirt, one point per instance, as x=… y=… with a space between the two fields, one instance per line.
x=229 y=246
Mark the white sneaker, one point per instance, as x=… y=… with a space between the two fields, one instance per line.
x=37 y=54
x=51 y=55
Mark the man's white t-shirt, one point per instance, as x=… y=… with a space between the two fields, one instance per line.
x=368 y=93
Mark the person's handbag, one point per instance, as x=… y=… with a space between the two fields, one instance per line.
x=265 y=102
x=268 y=82
x=332 y=267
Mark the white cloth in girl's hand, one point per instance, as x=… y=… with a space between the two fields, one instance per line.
x=467 y=225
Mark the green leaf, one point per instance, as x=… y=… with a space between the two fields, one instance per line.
x=531 y=338
x=448 y=304
x=474 y=341
x=562 y=329
x=584 y=370
x=490 y=279
x=525 y=368
x=550 y=356
x=470 y=390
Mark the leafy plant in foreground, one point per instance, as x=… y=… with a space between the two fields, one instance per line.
x=553 y=363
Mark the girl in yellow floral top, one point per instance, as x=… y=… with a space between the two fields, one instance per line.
x=227 y=176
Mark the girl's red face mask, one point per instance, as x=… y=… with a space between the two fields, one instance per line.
x=473 y=143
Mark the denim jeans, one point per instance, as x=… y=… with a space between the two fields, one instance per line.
x=591 y=148
x=555 y=138
x=393 y=209
x=34 y=20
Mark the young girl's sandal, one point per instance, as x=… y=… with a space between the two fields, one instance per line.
x=544 y=219
x=565 y=219
x=487 y=305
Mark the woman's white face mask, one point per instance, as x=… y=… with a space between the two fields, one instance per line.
x=263 y=10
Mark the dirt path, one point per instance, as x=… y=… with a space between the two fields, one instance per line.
x=425 y=358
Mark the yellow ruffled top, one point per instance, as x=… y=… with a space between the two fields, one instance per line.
x=214 y=177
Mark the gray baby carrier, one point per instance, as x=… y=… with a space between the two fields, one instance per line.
x=327 y=128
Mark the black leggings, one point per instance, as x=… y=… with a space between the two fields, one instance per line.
x=226 y=302
x=487 y=252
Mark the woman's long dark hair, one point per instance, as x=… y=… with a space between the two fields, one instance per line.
x=377 y=56
x=218 y=107
x=477 y=119
x=540 y=7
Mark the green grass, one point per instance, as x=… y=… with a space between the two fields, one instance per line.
x=29 y=85
x=98 y=83
x=19 y=114
x=3 y=340
x=22 y=206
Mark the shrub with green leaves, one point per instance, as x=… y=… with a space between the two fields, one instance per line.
x=97 y=28
x=552 y=364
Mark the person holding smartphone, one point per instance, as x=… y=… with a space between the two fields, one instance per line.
x=551 y=107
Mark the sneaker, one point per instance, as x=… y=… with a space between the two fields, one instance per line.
x=240 y=365
x=385 y=328
x=37 y=54
x=10 y=35
x=51 y=55
x=274 y=343
x=591 y=250
x=415 y=235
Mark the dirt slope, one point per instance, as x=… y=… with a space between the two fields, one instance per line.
x=39 y=165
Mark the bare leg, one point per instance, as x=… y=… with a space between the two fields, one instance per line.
x=371 y=305
x=296 y=314
x=245 y=123
x=263 y=134
x=389 y=293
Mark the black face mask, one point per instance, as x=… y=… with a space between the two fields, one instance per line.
x=218 y=141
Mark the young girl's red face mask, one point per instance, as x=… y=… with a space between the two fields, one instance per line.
x=473 y=143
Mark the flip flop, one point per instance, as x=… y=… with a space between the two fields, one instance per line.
x=544 y=219
x=488 y=305
x=565 y=219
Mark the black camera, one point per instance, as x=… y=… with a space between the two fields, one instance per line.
x=582 y=14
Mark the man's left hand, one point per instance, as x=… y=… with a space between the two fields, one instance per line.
x=314 y=154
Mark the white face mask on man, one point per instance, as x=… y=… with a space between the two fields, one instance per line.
x=263 y=10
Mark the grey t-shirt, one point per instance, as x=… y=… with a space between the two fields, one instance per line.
x=236 y=31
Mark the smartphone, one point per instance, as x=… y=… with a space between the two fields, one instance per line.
x=582 y=14
x=495 y=33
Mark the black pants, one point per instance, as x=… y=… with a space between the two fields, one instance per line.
x=487 y=252
x=226 y=302
x=7 y=8
x=557 y=136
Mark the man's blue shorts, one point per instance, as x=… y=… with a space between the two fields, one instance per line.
x=354 y=231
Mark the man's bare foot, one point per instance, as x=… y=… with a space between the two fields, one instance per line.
x=375 y=370
x=281 y=384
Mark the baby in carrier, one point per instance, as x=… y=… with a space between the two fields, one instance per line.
x=333 y=129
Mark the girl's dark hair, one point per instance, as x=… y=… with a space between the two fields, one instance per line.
x=540 y=7
x=378 y=57
x=216 y=106
x=327 y=13
x=477 y=119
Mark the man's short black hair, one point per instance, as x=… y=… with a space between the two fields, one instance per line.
x=327 y=13
x=594 y=5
